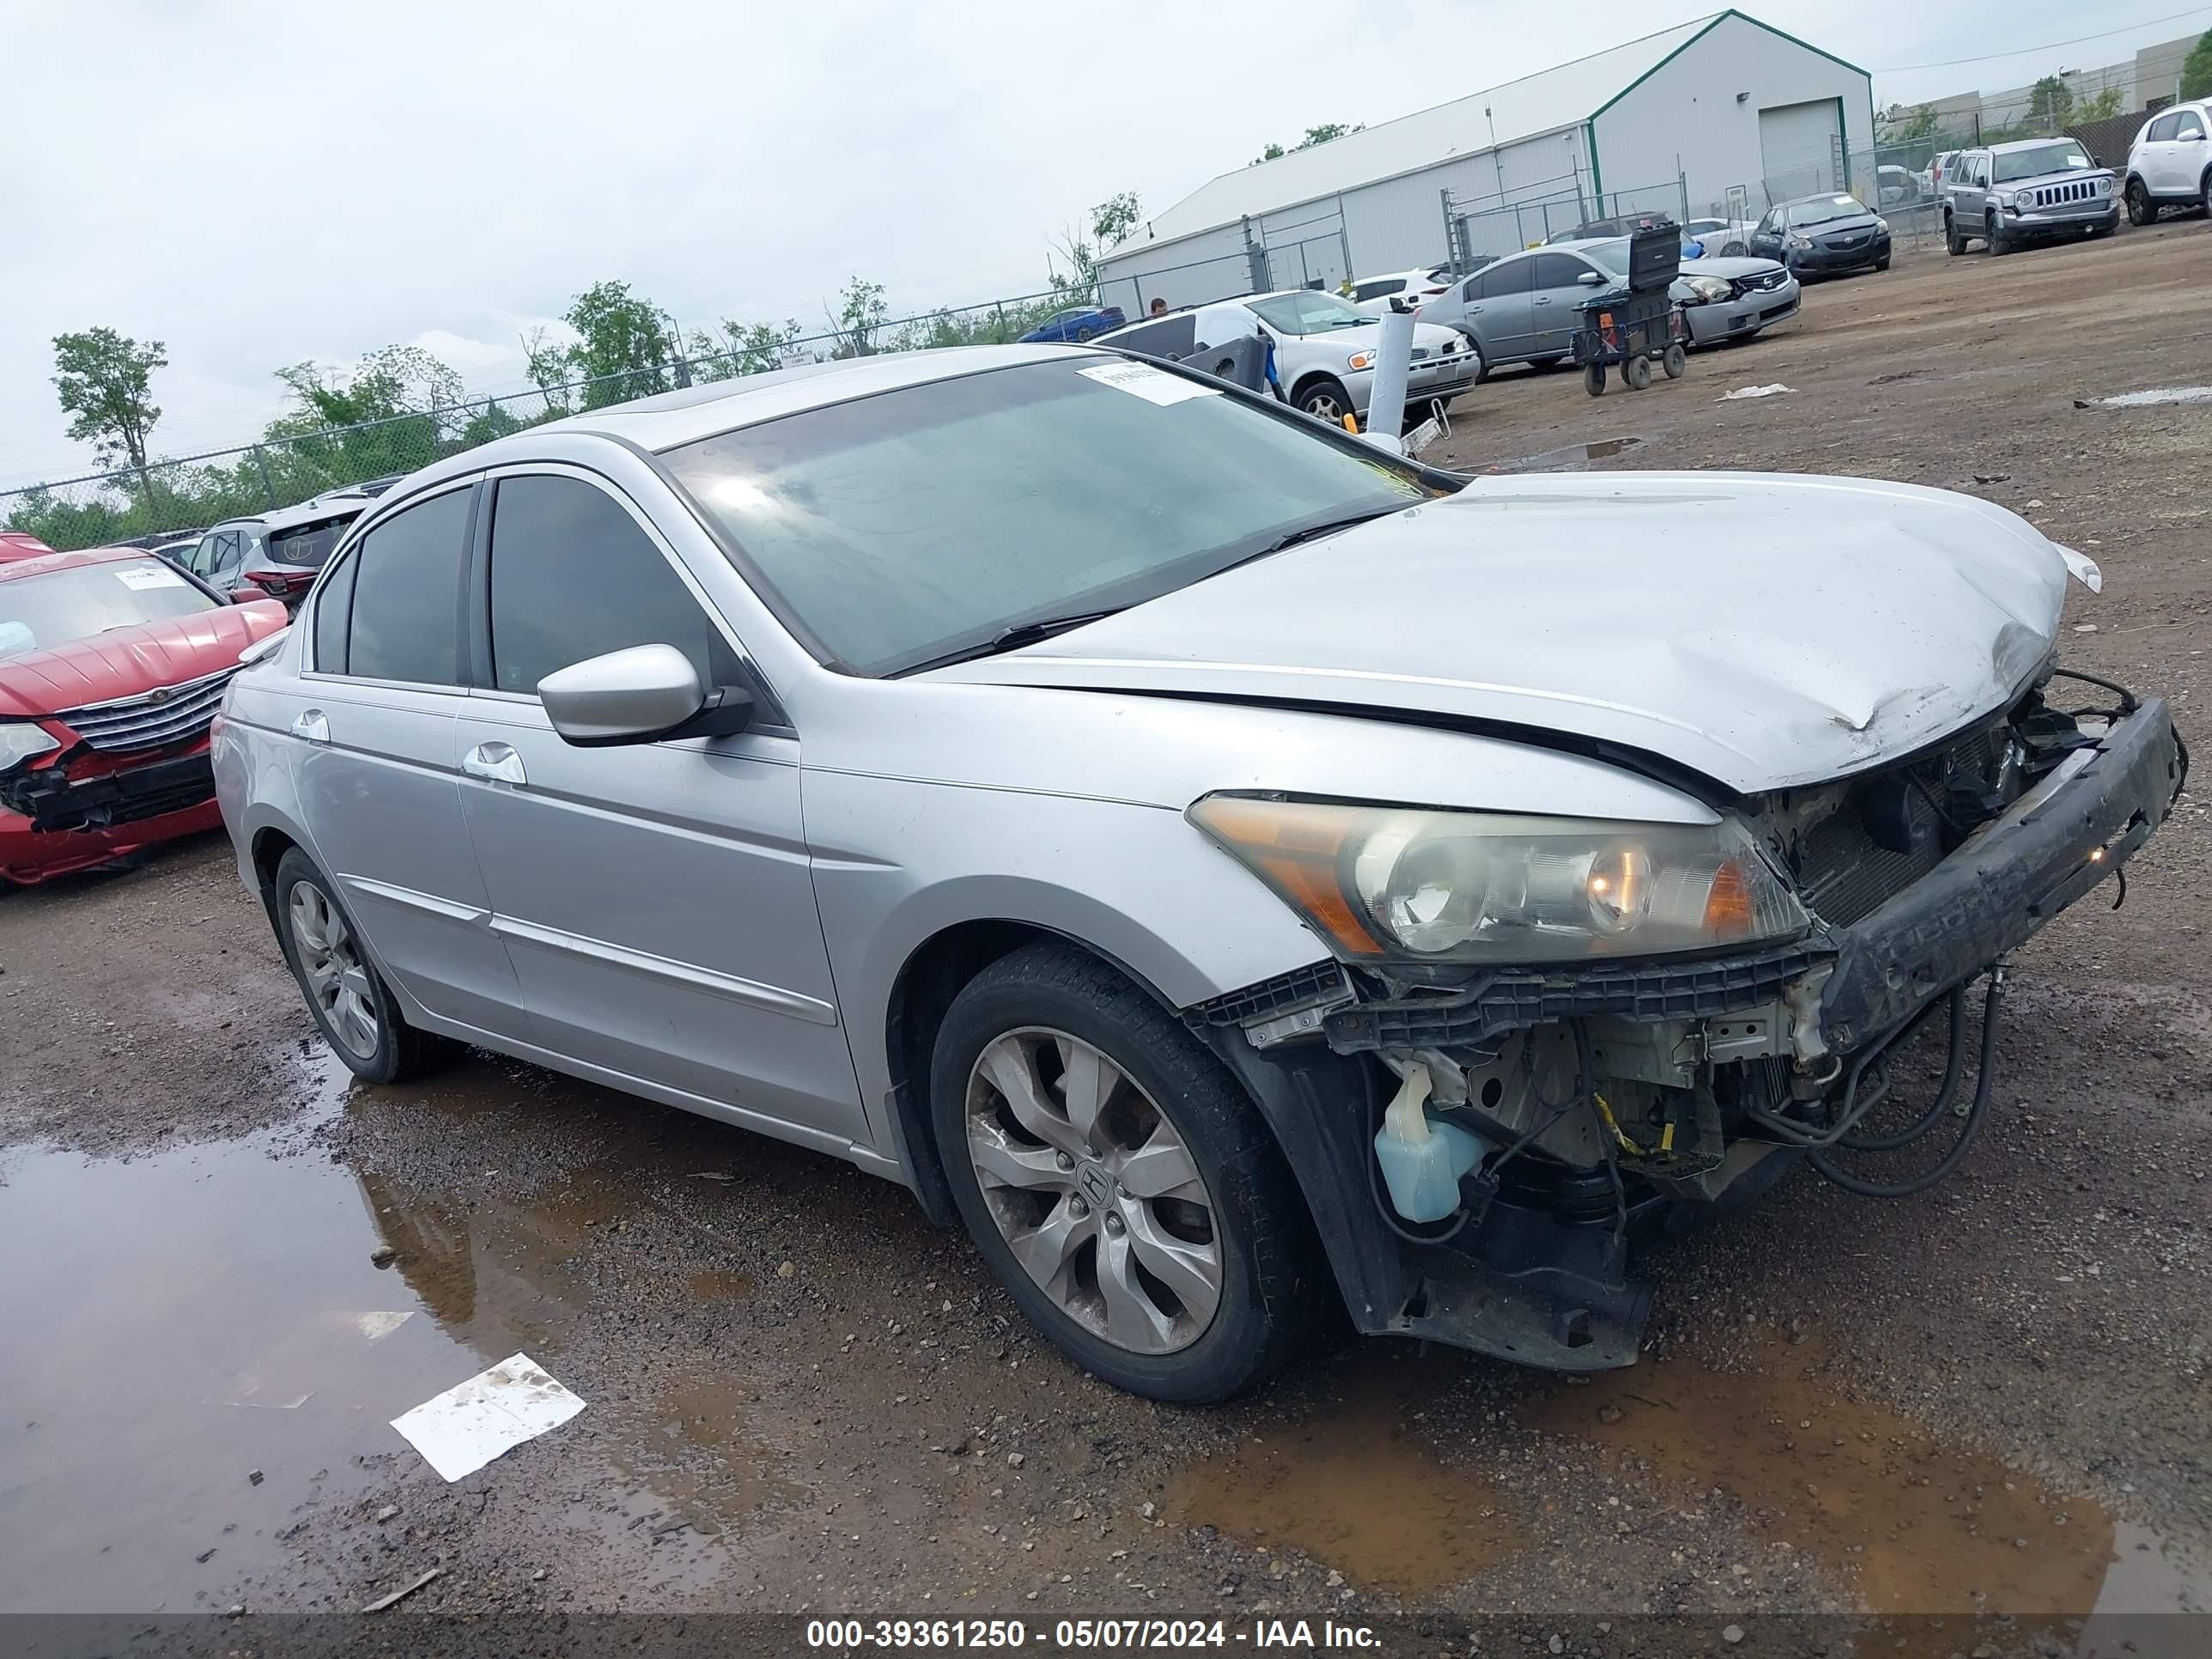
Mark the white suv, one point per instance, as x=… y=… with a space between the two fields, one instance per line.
x=2171 y=162
x=1324 y=349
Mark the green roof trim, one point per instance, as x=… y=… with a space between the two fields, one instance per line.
x=1719 y=19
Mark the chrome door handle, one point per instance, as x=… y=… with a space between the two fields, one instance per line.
x=312 y=726
x=495 y=762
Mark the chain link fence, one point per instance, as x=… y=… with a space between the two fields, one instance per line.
x=173 y=498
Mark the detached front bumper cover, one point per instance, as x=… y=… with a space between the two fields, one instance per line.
x=1991 y=895
x=2054 y=844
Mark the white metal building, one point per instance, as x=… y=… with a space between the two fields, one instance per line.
x=1723 y=114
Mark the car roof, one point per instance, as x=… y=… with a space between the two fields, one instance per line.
x=2017 y=144
x=668 y=420
x=46 y=562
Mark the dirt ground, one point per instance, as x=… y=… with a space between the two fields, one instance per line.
x=1992 y=1400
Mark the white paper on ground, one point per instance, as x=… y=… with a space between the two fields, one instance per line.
x=460 y=1431
x=374 y=1326
x=1753 y=392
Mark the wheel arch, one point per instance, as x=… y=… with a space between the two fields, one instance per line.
x=933 y=973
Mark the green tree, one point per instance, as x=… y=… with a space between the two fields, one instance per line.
x=2104 y=105
x=103 y=381
x=733 y=348
x=1919 y=125
x=397 y=409
x=861 y=312
x=625 y=347
x=2196 y=69
x=546 y=363
x=2050 y=100
x=1319 y=134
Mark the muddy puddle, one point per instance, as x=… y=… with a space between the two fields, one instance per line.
x=1901 y=1522
x=1913 y=1524
x=202 y=1352
x=1352 y=1482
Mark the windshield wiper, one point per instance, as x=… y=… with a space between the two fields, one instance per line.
x=1314 y=532
x=1014 y=636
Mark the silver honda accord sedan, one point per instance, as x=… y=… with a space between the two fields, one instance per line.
x=1238 y=874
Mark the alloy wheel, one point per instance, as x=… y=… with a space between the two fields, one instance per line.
x=1094 y=1190
x=1324 y=406
x=336 y=977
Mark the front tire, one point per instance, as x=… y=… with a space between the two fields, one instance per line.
x=352 y=1005
x=1637 y=373
x=2141 y=211
x=1120 y=1182
x=1994 y=239
x=1325 y=399
x=1594 y=378
x=1674 y=362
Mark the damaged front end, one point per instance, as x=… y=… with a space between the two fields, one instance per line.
x=1539 y=1043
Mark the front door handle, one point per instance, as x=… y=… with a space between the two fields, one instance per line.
x=495 y=762
x=312 y=726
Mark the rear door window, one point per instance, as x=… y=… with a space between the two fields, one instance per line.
x=574 y=576
x=405 y=621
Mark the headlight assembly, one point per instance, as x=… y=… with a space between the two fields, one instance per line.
x=1481 y=887
x=19 y=740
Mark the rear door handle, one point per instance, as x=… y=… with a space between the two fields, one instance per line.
x=312 y=726
x=495 y=762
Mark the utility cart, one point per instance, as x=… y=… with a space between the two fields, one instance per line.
x=1631 y=328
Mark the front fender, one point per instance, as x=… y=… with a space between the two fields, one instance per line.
x=896 y=862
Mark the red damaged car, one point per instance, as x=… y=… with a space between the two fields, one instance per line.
x=113 y=664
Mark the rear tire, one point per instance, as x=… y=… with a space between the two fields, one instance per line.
x=1636 y=372
x=2141 y=211
x=2204 y=192
x=1594 y=378
x=1171 y=1116
x=352 y=1005
x=1674 y=362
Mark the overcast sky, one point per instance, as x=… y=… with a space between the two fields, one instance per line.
x=257 y=184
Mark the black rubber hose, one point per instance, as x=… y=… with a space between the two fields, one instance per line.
x=1968 y=1131
x=1954 y=1072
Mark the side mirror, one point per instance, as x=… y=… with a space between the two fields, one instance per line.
x=1590 y=279
x=2196 y=138
x=639 y=696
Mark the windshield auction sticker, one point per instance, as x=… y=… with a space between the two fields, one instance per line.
x=147 y=575
x=1153 y=386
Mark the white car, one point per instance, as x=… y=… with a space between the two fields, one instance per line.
x=2170 y=164
x=1723 y=239
x=1324 y=349
x=1373 y=294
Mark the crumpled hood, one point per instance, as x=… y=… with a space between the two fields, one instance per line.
x=1765 y=630
x=127 y=662
x=1729 y=265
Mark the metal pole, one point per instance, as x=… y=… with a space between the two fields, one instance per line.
x=268 y=484
x=1343 y=236
x=1682 y=184
x=1451 y=239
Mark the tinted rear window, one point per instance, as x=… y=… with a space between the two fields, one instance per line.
x=308 y=544
x=407 y=590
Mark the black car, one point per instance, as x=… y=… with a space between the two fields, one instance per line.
x=1823 y=236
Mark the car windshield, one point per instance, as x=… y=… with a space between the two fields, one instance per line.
x=1309 y=312
x=37 y=612
x=2058 y=157
x=1821 y=208
x=308 y=543
x=908 y=527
